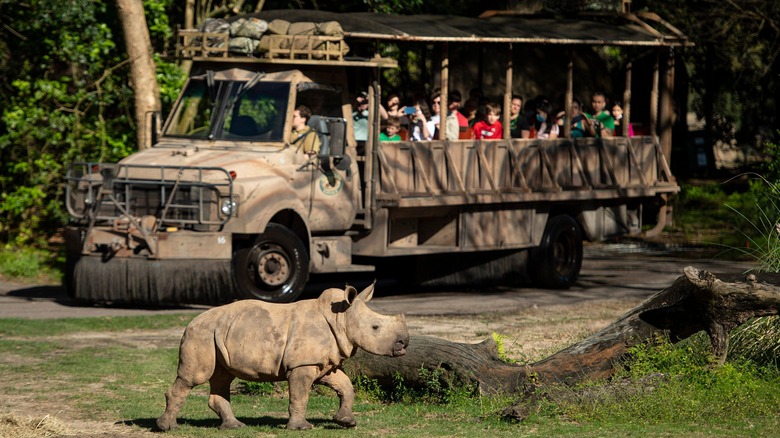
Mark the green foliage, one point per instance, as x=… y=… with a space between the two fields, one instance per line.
x=705 y=214
x=64 y=88
x=732 y=83
x=64 y=102
x=685 y=389
x=31 y=264
x=759 y=225
x=499 y=339
x=438 y=388
x=394 y=6
x=257 y=388
x=757 y=340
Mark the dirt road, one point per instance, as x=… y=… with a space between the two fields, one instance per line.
x=609 y=272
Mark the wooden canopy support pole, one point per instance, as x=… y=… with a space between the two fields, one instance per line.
x=569 y=94
x=627 y=102
x=654 y=96
x=666 y=115
x=445 y=86
x=508 y=93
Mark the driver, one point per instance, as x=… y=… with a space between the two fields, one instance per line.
x=302 y=135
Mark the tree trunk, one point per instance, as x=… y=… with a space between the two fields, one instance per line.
x=696 y=301
x=142 y=70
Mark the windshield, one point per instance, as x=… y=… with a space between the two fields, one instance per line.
x=235 y=113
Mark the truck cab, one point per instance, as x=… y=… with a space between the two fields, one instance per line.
x=227 y=186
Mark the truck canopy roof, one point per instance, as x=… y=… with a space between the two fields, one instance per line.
x=239 y=74
x=641 y=29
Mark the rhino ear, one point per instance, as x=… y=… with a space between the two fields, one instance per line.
x=367 y=293
x=351 y=293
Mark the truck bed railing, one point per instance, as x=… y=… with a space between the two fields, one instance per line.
x=175 y=195
x=549 y=169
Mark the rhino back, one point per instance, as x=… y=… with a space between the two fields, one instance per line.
x=262 y=341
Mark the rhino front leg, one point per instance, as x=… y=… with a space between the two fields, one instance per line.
x=343 y=386
x=299 y=383
x=174 y=399
x=219 y=398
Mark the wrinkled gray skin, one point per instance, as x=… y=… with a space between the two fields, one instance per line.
x=303 y=342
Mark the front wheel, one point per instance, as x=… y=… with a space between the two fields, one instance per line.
x=273 y=268
x=556 y=263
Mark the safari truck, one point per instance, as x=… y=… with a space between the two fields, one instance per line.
x=224 y=205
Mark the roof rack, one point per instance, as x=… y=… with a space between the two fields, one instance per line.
x=194 y=44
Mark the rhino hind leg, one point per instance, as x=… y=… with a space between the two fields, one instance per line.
x=219 y=398
x=174 y=399
x=340 y=383
x=300 y=381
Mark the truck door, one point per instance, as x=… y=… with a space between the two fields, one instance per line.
x=331 y=200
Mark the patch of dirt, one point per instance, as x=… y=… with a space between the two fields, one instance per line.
x=528 y=334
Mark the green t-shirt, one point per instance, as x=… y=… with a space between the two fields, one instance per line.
x=606 y=120
x=384 y=137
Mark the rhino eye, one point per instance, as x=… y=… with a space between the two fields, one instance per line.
x=375 y=327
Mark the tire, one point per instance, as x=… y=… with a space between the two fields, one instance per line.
x=273 y=268
x=556 y=263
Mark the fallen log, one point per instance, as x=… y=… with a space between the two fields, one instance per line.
x=696 y=301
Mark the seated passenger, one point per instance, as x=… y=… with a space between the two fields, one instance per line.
x=579 y=123
x=360 y=117
x=490 y=128
x=391 y=130
x=435 y=119
x=394 y=108
x=617 y=114
x=518 y=124
x=602 y=124
x=545 y=125
x=418 y=121
x=302 y=136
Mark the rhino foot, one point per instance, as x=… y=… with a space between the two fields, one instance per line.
x=164 y=424
x=299 y=425
x=348 y=421
x=231 y=424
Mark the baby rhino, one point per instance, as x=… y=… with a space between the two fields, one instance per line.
x=303 y=343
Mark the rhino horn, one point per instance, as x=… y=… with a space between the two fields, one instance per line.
x=367 y=293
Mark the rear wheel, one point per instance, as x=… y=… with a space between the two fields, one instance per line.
x=274 y=267
x=557 y=261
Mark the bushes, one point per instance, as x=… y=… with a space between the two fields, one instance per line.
x=64 y=89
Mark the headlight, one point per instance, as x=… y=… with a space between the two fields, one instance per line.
x=228 y=207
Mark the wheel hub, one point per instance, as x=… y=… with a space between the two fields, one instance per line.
x=272 y=268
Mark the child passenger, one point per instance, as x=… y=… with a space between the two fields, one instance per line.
x=391 y=130
x=490 y=128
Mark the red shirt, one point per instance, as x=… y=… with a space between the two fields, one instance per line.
x=462 y=120
x=483 y=131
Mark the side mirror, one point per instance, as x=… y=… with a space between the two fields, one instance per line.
x=333 y=135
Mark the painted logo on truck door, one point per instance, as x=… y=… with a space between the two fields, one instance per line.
x=331 y=189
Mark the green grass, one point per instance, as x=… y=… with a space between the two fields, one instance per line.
x=125 y=383
x=13 y=327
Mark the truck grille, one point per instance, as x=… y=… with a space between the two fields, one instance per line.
x=176 y=196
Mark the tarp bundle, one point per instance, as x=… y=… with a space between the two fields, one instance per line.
x=250 y=36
